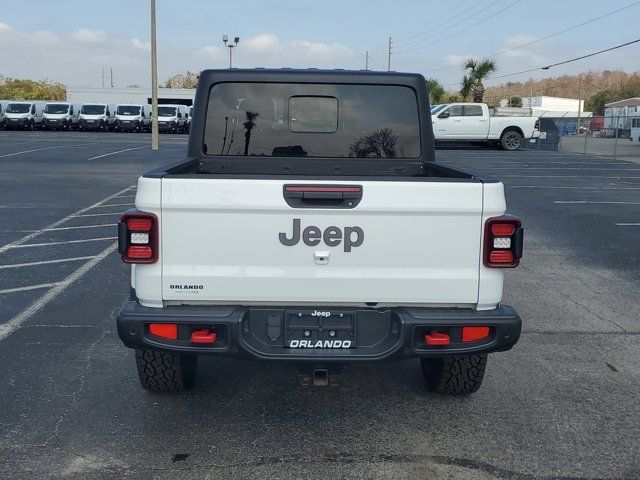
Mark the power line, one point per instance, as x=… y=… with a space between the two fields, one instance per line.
x=565 y=30
x=456 y=16
x=547 y=67
x=487 y=18
x=433 y=20
x=493 y=55
x=410 y=33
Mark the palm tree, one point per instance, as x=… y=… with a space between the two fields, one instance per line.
x=436 y=91
x=477 y=71
x=248 y=126
x=467 y=86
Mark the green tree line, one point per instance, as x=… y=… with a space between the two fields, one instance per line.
x=17 y=89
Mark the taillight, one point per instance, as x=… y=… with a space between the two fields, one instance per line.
x=138 y=237
x=503 y=238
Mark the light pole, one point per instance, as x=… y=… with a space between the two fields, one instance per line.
x=236 y=41
x=154 y=80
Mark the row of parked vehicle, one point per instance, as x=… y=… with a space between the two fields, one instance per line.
x=32 y=115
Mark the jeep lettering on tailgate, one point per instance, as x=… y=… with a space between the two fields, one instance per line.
x=332 y=236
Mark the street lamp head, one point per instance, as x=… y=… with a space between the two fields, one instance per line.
x=225 y=38
x=236 y=40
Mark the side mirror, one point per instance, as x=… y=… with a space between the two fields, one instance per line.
x=179 y=115
x=444 y=114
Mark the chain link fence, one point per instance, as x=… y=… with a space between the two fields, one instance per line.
x=617 y=137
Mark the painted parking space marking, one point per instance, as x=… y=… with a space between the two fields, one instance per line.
x=51 y=294
x=45 y=262
x=119 y=151
x=42 y=149
x=96 y=215
x=79 y=227
x=27 y=288
x=64 y=242
x=113 y=205
x=572 y=187
x=34 y=234
x=583 y=202
x=628 y=224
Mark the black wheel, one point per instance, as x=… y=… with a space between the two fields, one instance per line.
x=454 y=375
x=165 y=371
x=511 y=140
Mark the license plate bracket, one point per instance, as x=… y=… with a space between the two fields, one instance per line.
x=320 y=328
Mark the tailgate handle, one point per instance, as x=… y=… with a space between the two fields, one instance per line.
x=322 y=196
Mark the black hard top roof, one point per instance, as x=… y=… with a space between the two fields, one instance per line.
x=309 y=75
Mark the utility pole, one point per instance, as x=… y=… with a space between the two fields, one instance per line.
x=154 y=80
x=231 y=46
x=111 y=73
x=531 y=97
x=366 y=60
x=579 y=104
x=102 y=76
x=390 y=47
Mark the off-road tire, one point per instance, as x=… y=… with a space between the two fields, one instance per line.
x=165 y=371
x=511 y=140
x=454 y=375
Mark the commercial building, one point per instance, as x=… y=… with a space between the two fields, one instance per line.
x=113 y=96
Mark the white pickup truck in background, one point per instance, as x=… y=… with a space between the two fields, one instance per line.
x=473 y=122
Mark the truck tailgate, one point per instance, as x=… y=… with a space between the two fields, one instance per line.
x=221 y=243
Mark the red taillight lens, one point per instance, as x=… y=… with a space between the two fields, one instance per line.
x=502 y=229
x=139 y=224
x=139 y=252
x=138 y=237
x=471 y=334
x=501 y=256
x=503 y=238
x=164 y=330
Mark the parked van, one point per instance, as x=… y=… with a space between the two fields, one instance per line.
x=172 y=118
x=24 y=115
x=95 y=116
x=131 y=118
x=188 y=123
x=634 y=133
x=59 y=116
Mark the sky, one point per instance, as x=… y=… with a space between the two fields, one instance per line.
x=71 y=41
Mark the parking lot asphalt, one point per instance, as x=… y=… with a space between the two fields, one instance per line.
x=563 y=404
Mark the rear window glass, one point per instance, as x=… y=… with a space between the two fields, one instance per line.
x=314 y=120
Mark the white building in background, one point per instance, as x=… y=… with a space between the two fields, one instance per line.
x=621 y=114
x=553 y=104
x=114 y=96
x=543 y=106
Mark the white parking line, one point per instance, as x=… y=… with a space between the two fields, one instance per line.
x=42 y=149
x=19 y=319
x=26 y=238
x=114 y=205
x=46 y=262
x=628 y=224
x=30 y=287
x=81 y=226
x=598 y=169
x=119 y=151
x=576 y=188
x=582 y=202
x=96 y=214
x=568 y=176
x=48 y=244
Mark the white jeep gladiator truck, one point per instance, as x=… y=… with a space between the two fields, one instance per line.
x=473 y=122
x=311 y=224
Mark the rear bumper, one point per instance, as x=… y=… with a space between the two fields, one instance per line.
x=379 y=334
